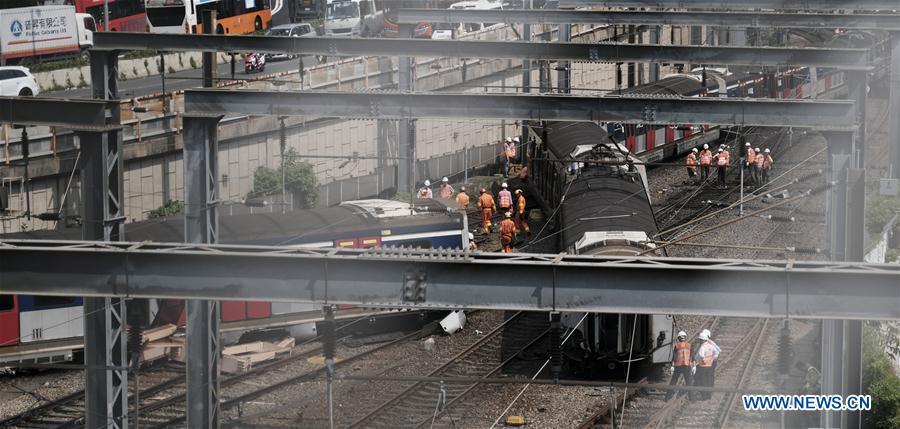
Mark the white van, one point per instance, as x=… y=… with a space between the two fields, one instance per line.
x=451 y=31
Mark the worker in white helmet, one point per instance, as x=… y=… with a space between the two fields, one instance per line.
x=768 y=164
x=425 y=191
x=704 y=360
x=748 y=161
x=758 y=166
x=691 y=163
x=681 y=363
x=504 y=199
x=446 y=190
x=509 y=155
x=472 y=244
x=706 y=157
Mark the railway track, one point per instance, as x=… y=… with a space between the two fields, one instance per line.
x=415 y=406
x=68 y=411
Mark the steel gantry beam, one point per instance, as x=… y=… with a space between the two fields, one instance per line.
x=75 y=114
x=831 y=115
x=454 y=279
x=887 y=5
x=846 y=59
x=630 y=17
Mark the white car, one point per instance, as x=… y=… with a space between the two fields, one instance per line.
x=17 y=81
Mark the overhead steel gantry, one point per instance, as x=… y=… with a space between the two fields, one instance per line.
x=432 y=279
x=741 y=19
x=885 y=5
x=845 y=59
x=822 y=115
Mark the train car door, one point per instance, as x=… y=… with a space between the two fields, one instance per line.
x=9 y=320
x=233 y=311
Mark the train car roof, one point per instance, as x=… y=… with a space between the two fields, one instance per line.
x=293 y=227
x=564 y=138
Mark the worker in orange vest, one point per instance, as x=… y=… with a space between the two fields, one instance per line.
x=425 y=191
x=723 y=158
x=705 y=360
x=749 y=160
x=462 y=198
x=487 y=207
x=681 y=363
x=768 y=163
x=509 y=154
x=705 y=161
x=504 y=198
x=508 y=231
x=760 y=167
x=521 y=218
x=692 y=164
x=472 y=244
x=445 y=190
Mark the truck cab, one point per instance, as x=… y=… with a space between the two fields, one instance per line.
x=350 y=18
x=86 y=29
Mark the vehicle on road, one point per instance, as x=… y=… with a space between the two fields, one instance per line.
x=232 y=16
x=124 y=15
x=303 y=10
x=445 y=31
x=254 y=62
x=364 y=18
x=32 y=34
x=17 y=81
x=300 y=29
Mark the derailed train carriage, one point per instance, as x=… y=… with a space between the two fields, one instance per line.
x=603 y=208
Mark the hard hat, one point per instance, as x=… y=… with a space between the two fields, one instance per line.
x=705 y=146
x=509 y=139
x=767 y=150
x=471 y=236
x=483 y=190
x=747 y=144
x=518 y=191
x=721 y=150
x=507 y=214
x=516 y=139
x=444 y=180
x=695 y=150
x=427 y=183
x=757 y=149
x=462 y=189
x=706 y=331
x=703 y=336
x=504 y=185
x=682 y=334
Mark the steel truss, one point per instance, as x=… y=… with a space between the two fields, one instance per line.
x=855 y=59
x=830 y=115
x=847 y=5
x=454 y=279
x=76 y=114
x=630 y=17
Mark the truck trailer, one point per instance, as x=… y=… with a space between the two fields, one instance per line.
x=30 y=35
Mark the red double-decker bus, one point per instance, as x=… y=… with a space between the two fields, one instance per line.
x=124 y=15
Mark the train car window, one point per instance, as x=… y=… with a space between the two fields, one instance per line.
x=6 y=302
x=53 y=301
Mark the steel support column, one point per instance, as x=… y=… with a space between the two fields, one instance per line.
x=894 y=106
x=200 y=226
x=564 y=78
x=406 y=83
x=526 y=68
x=857 y=86
x=106 y=358
x=654 y=66
x=832 y=368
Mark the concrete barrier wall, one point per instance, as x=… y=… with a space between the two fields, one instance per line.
x=63 y=79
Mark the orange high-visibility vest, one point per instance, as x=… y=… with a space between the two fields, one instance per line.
x=691 y=160
x=505 y=199
x=682 y=353
x=486 y=201
x=521 y=203
x=706 y=352
x=507 y=227
x=705 y=157
x=462 y=199
x=751 y=156
x=760 y=160
x=768 y=163
x=722 y=159
x=445 y=191
x=510 y=150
